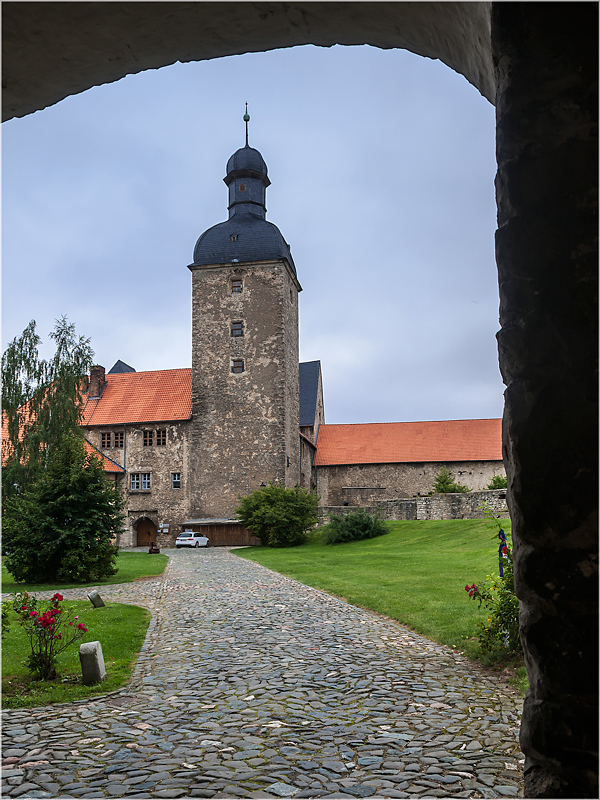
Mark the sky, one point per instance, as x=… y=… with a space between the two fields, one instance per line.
x=382 y=181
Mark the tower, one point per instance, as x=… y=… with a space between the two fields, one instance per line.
x=244 y=349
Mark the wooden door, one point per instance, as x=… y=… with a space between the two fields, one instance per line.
x=146 y=533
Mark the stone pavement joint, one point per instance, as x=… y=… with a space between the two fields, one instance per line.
x=250 y=684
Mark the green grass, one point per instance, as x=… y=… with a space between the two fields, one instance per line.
x=131 y=566
x=415 y=574
x=118 y=627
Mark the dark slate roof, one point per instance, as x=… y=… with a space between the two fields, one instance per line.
x=257 y=240
x=120 y=367
x=309 y=388
x=247 y=159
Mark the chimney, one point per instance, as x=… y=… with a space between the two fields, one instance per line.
x=97 y=381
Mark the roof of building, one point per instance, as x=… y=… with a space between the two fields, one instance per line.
x=119 y=367
x=247 y=159
x=132 y=397
x=244 y=237
x=309 y=372
x=108 y=464
x=405 y=442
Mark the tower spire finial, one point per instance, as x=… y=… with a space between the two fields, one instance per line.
x=246 y=120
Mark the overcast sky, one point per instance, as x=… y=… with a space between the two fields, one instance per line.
x=382 y=168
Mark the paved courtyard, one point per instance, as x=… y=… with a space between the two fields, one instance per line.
x=253 y=685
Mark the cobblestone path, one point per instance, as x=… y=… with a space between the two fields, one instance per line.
x=253 y=685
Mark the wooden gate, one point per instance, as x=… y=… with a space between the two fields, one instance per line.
x=227 y=535
x=146 y=532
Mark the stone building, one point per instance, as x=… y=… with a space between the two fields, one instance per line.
x=186 y=443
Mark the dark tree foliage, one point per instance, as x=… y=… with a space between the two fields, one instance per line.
x=60 y=528
x=444 y=483
x=279 y=516
x=354 y=526
x=41 y=401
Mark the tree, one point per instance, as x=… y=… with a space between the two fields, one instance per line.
x=444 y=483
x=498 y=482
x=279 y=516
x=41 y=401
x=61 y=526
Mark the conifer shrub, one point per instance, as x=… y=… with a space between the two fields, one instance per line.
x=444 y=483
x=354 y=526
x=498 y=482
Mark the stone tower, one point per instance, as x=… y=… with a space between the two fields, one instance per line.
x=244 y=350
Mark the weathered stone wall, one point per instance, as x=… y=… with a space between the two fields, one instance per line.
x=438 y=506
x=307 y=451
x=244 y=426
x=161 y=503
x=365 y=484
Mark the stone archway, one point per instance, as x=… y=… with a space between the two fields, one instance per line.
x=538 y=61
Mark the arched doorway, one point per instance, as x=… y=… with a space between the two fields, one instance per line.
x=146 y=532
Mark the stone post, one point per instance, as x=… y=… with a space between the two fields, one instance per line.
x=546 y=72
x=92 y=663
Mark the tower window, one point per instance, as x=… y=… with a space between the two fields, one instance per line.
x=161 y=437
x=148 y=438
x=242 y=187
x=105 y=440
x=237 y=328
x=234 y=237
x=119 y=436
x=236 y=286
x=237 y=365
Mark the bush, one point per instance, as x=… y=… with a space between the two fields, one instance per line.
x=353 y=527
x=497 y=482
x=444 y=483
x=279 y=516
x=499 y=633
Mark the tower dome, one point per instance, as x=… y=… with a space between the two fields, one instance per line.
x=246 y=235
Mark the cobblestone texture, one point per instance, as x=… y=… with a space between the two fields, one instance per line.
x=252 y=685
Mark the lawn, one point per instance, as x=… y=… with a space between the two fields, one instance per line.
x=130 y=567
x=118 y=627
x=415 y=574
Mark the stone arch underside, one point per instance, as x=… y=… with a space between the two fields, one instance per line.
x=538 y=61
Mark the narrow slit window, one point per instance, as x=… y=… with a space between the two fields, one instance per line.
x=237 y=328
x=105 y=440
x=236 y=286
x=242 y=187
x=237 y=365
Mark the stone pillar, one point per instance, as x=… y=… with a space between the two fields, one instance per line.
x=546 y=70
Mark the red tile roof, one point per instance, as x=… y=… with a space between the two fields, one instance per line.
x=108 y=464
x=401 y=442
x=158 y=396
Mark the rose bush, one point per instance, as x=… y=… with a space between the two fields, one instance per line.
x=49 y=630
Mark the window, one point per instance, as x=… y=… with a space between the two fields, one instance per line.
x=119 y=439
x=145 y=480
x=148 y=438
x=135 y=481
x=242 y=187
x=176 y=480
x=236 y=286
x=161 y=437
x=105 y=440
x=237 y=328
x=234 y=237
x=237 y=365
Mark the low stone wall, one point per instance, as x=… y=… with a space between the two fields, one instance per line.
x=436 y=506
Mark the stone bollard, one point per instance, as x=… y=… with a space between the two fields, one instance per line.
x=92 y=663
x=95 y=599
